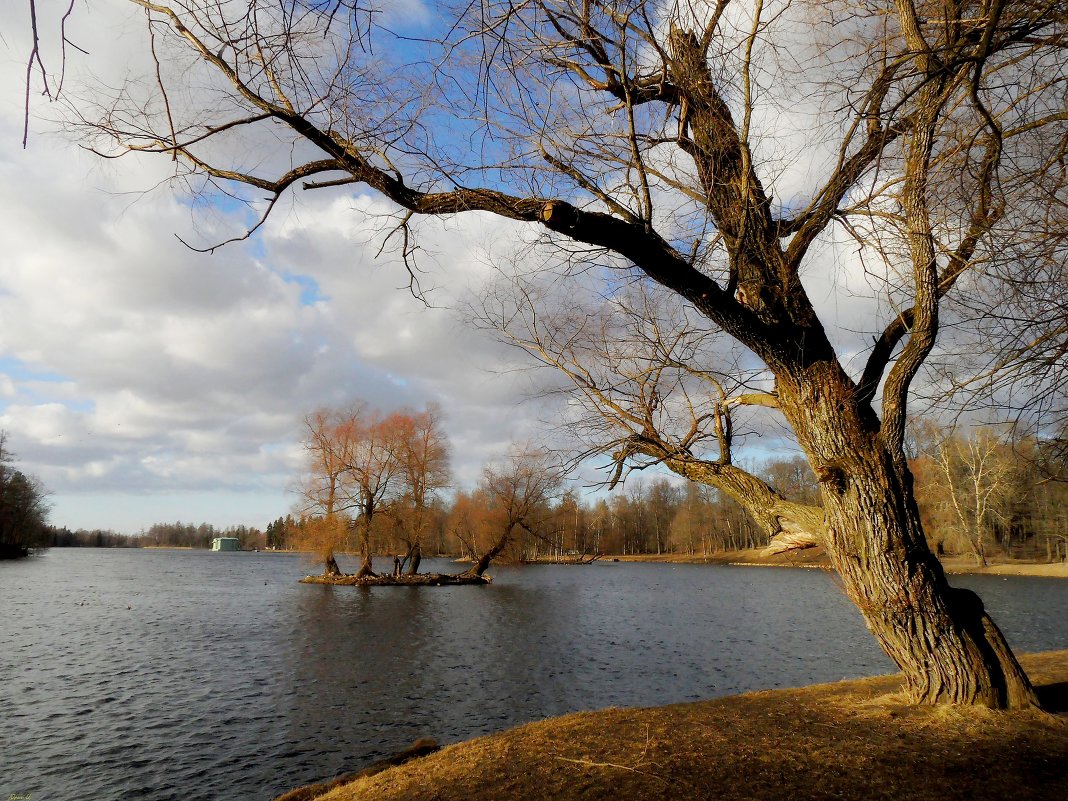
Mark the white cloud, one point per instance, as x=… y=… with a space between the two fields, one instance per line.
x=144 y=381
x=134 y=371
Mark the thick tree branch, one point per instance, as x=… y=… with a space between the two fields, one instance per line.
x=791 y=525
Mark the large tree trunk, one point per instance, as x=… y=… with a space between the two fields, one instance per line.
x=483 y=562
x=941 y=638
x=330 y=567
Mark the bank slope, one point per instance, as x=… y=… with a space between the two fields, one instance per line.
x=852 y=739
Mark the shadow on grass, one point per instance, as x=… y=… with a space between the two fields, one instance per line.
x=1054 y=697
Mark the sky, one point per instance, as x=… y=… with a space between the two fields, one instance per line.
x=144 y=382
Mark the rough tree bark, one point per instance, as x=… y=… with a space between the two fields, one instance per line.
x=947 y=647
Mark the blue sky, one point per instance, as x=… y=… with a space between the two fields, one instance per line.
x=145 y=382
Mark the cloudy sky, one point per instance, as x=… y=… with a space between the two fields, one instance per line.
x=145 y=382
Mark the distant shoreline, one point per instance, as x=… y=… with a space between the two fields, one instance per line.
x=816 y=558
x=809 y=558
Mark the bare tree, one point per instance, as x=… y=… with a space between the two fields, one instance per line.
x=518 y=492
x=326 y=487
x=370 y=474
x=463 y=523
x=322 y=536
x=647 y=138
x=363 y=464
x=375 y=475
x=975 y=475
x=650 y=386
x=48 y=82
x=422 y=450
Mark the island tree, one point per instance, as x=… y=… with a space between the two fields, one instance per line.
x=363 y=465
x=422 y=451
x=322 y=530
x=370 y=473
x=651 y=140
x=516 y=496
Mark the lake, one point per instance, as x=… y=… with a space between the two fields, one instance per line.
x=147 y=674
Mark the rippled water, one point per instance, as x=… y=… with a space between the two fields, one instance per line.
x=196 y=675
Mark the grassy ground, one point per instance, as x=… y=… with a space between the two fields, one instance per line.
x=849 y=740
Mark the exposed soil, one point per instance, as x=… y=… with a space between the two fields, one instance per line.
x=848 y=740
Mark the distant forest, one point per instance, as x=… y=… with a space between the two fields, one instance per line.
x=159 y=535
x=978 y=495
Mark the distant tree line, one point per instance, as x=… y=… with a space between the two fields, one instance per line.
x=980 y=493
x=160 y=535
x=983 y=492
x=188 y=535
x=63 y=537
x=373 y=484
x=647 y=517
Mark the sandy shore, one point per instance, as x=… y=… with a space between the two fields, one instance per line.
x=815 y=557
x=1055 y=570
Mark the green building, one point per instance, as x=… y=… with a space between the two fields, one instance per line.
x=226 y=544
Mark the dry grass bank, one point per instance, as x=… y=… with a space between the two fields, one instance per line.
x=851 y=740
x=815 y=557
x=810 y=557
x=960 y=564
